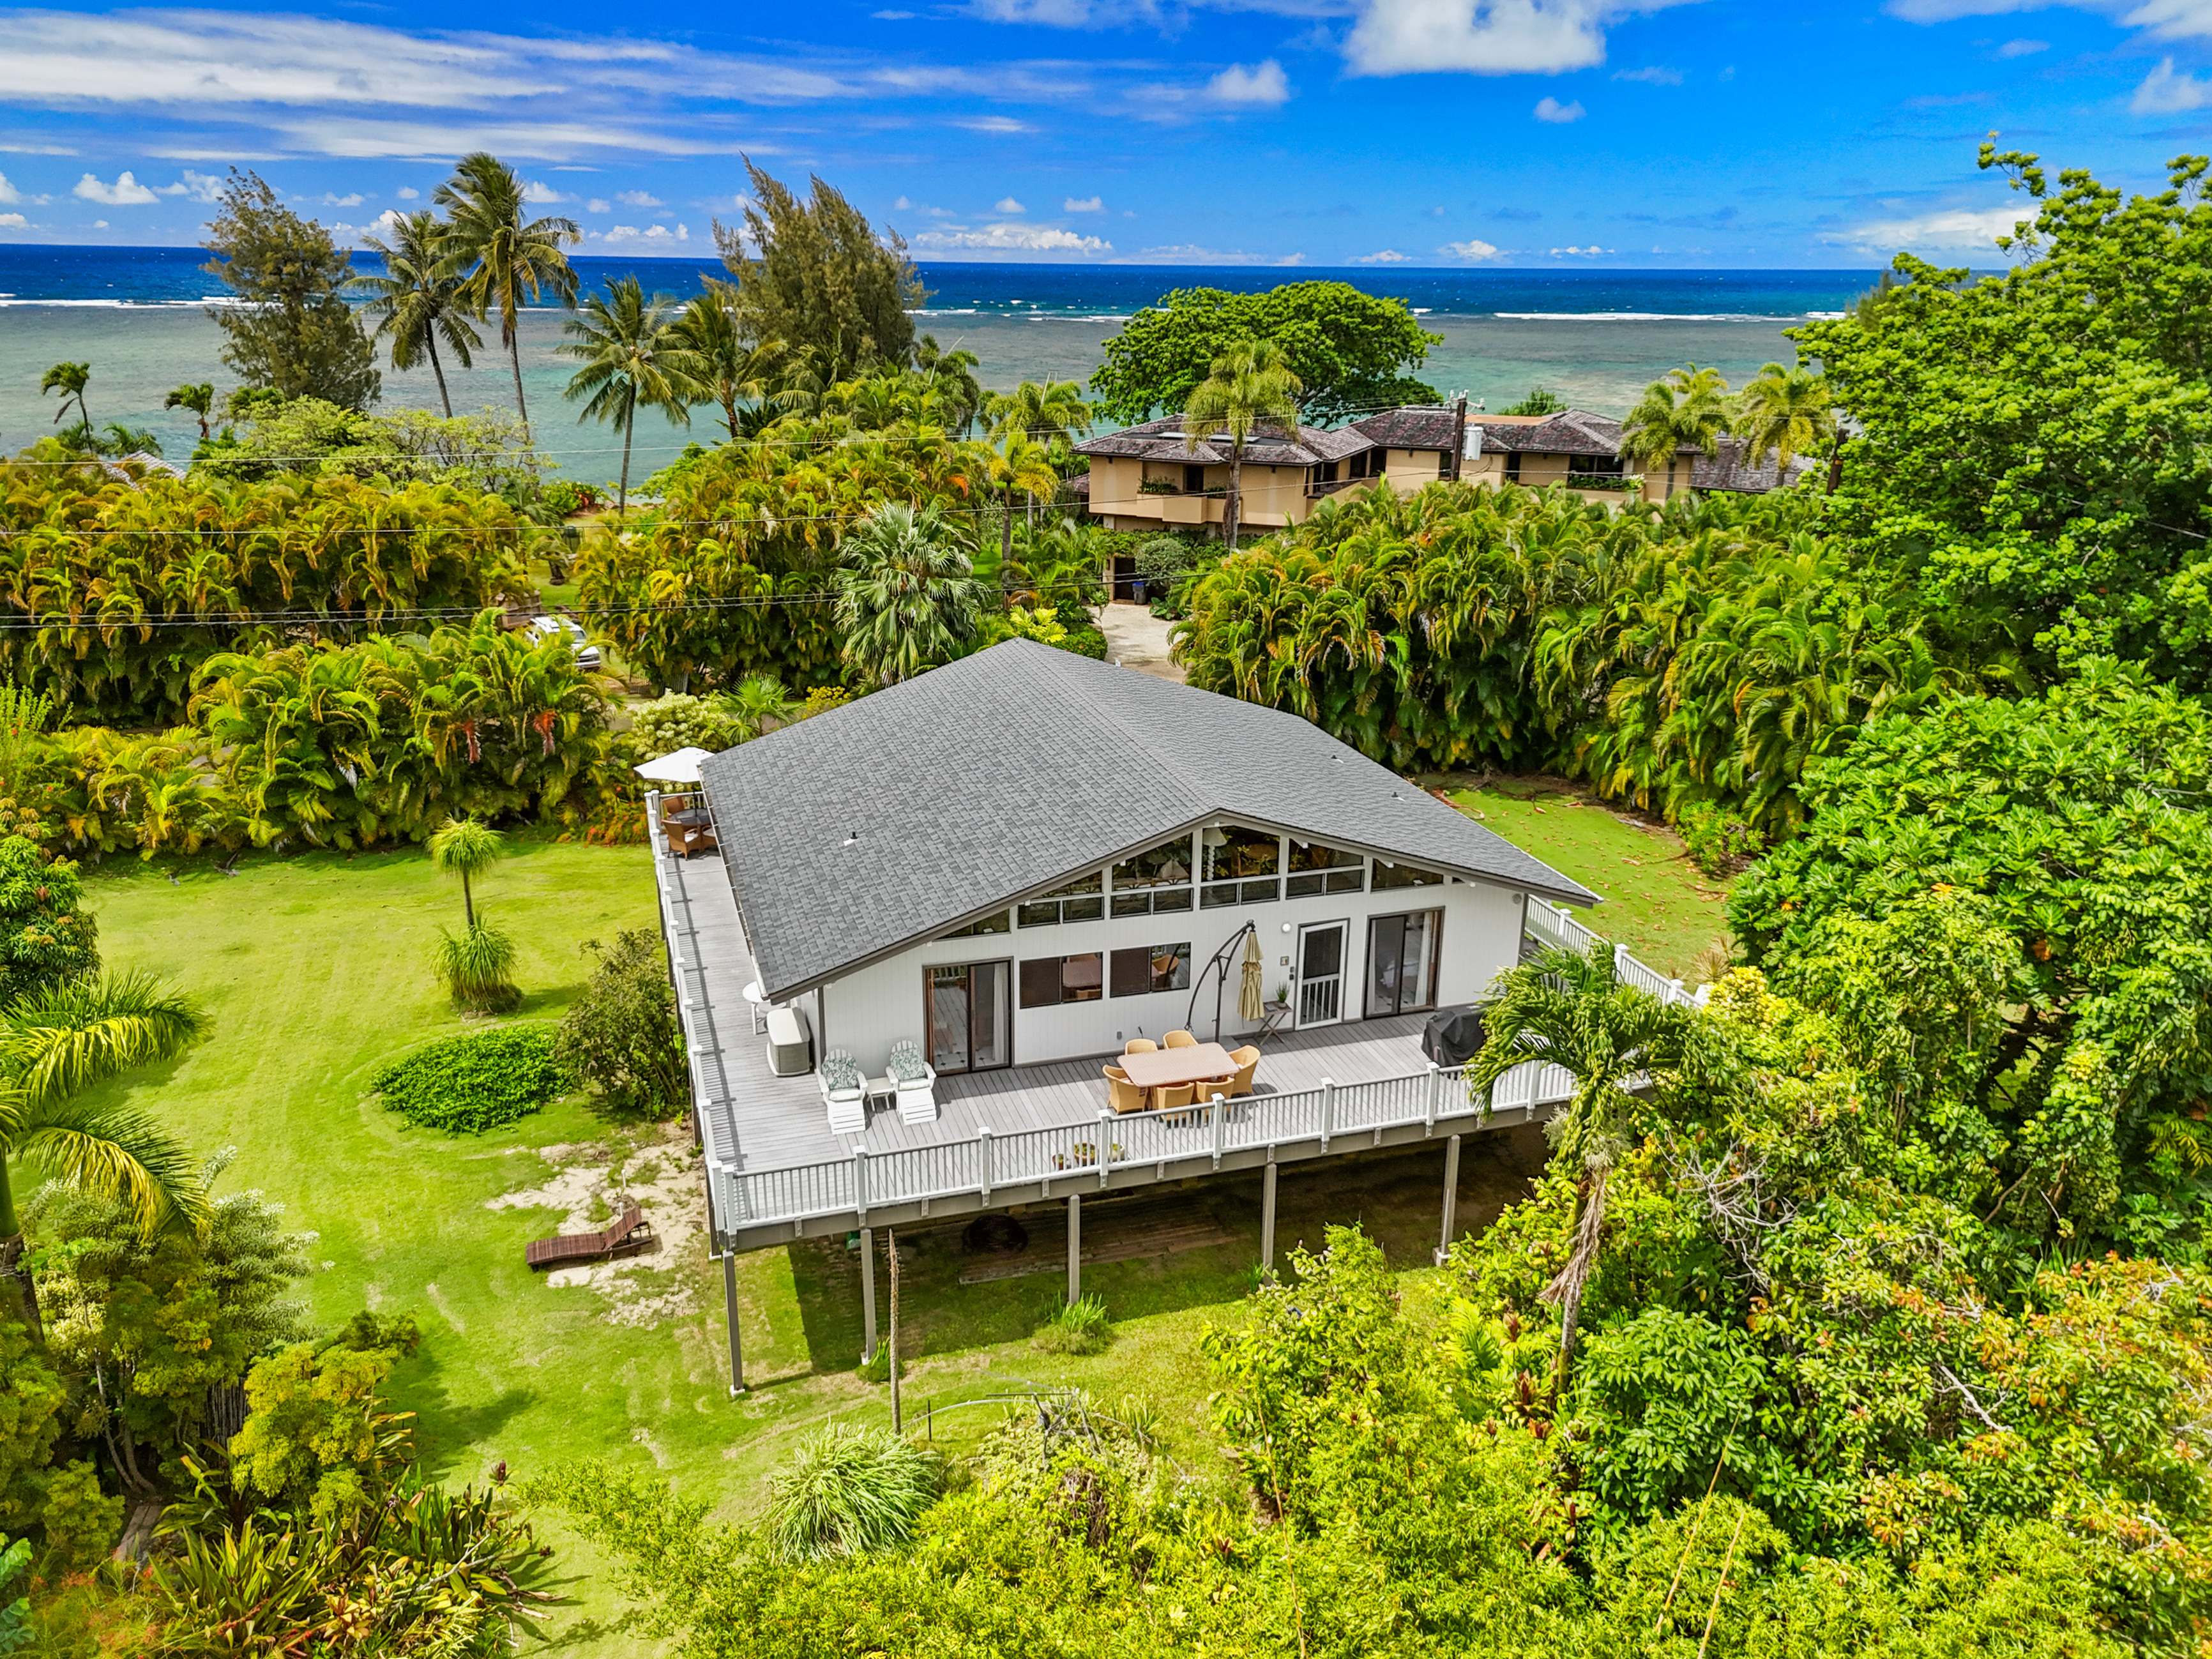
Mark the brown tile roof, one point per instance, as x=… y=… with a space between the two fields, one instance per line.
x=1411 y=429
x=1570 y=432
x=1729 y=469
x=1163 y=441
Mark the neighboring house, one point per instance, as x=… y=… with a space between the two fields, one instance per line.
x=1021 y=860
x=1581 y=451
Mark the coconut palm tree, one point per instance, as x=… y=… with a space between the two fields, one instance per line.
x=1688 y=410
x=199 y=400
x=631 y=361
x=55 y=1045
x=68 y=380
x=953 y=375
x=1248 y=386
x=508 y=259
x=1019 y=465
x=713 y=354
x=1043 y=412
x=418 y=298
x=907 y=596
x=465 y=847
x=1571 y=1010
x=1787 y=410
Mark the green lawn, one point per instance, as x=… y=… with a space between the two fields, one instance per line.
x=1668 y=912
x=314 y=969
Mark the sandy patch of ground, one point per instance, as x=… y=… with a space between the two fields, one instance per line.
x=1137 y=639
x=590 y=1183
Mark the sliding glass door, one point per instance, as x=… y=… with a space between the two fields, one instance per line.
x=1401 y=963
x=968 y=1028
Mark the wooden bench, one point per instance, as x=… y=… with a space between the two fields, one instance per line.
x=582 y=1247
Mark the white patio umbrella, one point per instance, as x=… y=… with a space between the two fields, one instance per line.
x=1249 y=1004
x=681 y=766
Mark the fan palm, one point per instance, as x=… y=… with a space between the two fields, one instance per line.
x=417 y=298
x=1248 y=386
x=631 y=361
x=199 y=400
x=55 y=1045
x=713 y=354
x=68 y=380
x=907 y=598
x=1571 y=1010
x=465 y=847
x=509 y=260
x=1686 y=411
x=1787 y=410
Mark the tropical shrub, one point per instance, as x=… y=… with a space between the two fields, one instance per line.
x=1080 y=1327
x=32 y=1395
x=80 y=1522
x=477 y=1081
x=848 y=1492
x=46 y=935
x=16 y=1610
x=477 y=968
x=678 y=721
x=620 y=1037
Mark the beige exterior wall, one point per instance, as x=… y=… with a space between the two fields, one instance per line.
x=1274 y=495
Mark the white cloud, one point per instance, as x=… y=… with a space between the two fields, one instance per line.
x=365 y=139
x=1084 y=204
x=125 y=192
x=207 y=187
x=1559 y=114
x=599 y=204
x=996 y=125
x=1388 y=256
x=900 y=205
x=1483 y=37
x=1974 y=228
x=891 y=17
x=7 y=191
x=14 y=221
x=1652 y=76
x=638 y=198
x=1007 y=204
x=1474 y=248
x=1943 y=11
x=650 y=235
x=1010 y=239
x=386 y=223
x=354 y=200
x=2023 y=48
x=2165 y=91
x=2173 y=20
x=407 y=193
x=1264 y=85
x=99 y=224
x=1581 y=252
x=538 y=193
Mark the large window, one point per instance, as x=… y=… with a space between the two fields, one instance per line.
x=1241 y=867
x=969 y=1031
x=1083 y=899
x=1389 y=877
x=1047 y=981
x=1318 y=869
x=985 y=925
x=1156 y=879
x=1401 y=963
x=1148 y=967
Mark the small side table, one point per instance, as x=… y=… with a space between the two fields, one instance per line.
x=757 y=1000
x=1277 y=1013
x=885 y=1089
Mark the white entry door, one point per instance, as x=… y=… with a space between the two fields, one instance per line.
x=1320 y=974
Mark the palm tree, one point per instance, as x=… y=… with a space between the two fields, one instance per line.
x=69 y=379
x=630 y=363
x=1019 y=465
x=1248 y=386
x=759 y=699
x=1043 y=412
x=509 y=260
x=418 y=298
x=119 y=439
x=907 y=596
x=1787 y=410
x=200 y=399
x=1686 y=411
x=465 y=847
x=713 y=354
x=953 y=375
x=54 y=1045
x=1571 y=1010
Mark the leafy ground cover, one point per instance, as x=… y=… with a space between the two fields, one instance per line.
x=1668 y=912
x=477 y=1081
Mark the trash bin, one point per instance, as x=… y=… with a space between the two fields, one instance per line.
x=1137 y=588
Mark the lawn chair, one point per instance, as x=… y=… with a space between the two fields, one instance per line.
x=584 y=1247
x=844 y=1091
x=915 y=1081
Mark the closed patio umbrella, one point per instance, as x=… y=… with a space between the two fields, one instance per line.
x=681 y=766
x=1248 y=1001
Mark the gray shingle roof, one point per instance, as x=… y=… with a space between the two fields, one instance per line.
x=1727 y=469
x=1570 y=432
x=896 y=817
x=1163 y=441
x=1411 y=429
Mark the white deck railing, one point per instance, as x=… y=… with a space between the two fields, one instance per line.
x=1067 y=1156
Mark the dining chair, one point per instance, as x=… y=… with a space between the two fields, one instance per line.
x=1140 y=1046
x=1247 y=1063
x=1181 y=1095
x=1180 y=1040
x=1115 y=1074
x=1126 y=1095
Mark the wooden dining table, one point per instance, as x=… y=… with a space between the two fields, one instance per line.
x=1170 y=1068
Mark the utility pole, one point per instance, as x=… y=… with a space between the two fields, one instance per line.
x=1459 y=435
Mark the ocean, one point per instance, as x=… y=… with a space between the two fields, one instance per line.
x=1596 y=337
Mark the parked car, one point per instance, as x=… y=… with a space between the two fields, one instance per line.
x=543 y=628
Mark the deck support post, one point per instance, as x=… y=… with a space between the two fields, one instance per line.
x=867 y=1295
x=1074 y=1249
x=984 y=1159
x=1105 y=1145
x=1267 y=1212
x=1430 y=1093
x=1451 y=1197
x=1327 y=1112
x=730 y=1312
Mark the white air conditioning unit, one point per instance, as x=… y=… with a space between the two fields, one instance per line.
x=790 y=1048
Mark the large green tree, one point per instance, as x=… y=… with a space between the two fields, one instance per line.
x=291 y=330
x=817 y=275
x=1351 y=352
x=907 y=598
x=1688 y=409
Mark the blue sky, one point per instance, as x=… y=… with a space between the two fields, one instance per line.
x=1435 y=132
